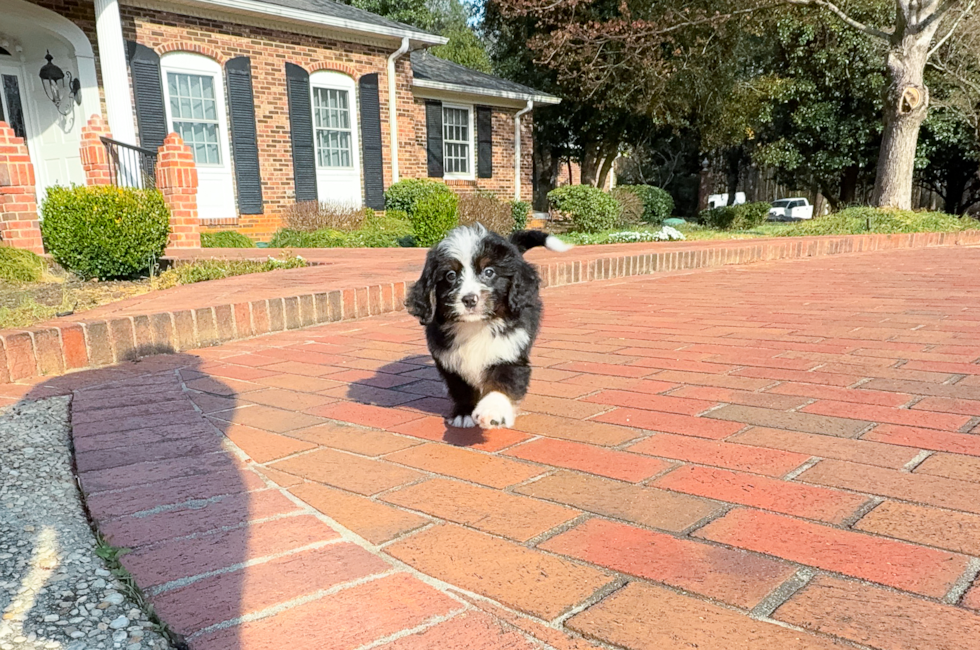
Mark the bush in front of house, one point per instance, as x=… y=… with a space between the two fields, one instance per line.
x=743 y=216
x=388 y=230
x=205 y=270
x=630 y=207
x=324 y=215
x=588 y=208
x=519 y=211
x=658 y=204
x=104 y=231
x=406 y=194
x=485 y=208
x=433 y=217
x=18 y=265
x=225 y=239
x=861 y=220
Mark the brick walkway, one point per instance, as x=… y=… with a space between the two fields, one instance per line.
x=776 y=456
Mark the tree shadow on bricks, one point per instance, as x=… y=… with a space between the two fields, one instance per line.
x=413 y=384
x=173 y=503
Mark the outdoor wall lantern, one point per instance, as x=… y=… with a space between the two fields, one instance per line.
x=56 y=81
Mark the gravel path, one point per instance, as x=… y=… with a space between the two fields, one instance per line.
x=55 y=592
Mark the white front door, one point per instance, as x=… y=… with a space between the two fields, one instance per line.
x=338 y=169
x=194 y=94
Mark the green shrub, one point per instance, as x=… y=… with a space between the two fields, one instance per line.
x=104 y=231
x=736 y=217
x=406 y=194
x=19 y=265
x=288 y=238
x=630 y=207
x=658 y=204
x=324 y=215
x=589 y=208
x=433 y=217
x=388 y=230
x=519 y=211
x=859 y=220
x=225 y=239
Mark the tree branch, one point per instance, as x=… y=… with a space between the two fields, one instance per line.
x=837 y=11
x=937 y=14
x=956 y=23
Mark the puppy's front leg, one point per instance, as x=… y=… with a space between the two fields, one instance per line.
x=505 y=387
x=463 y=396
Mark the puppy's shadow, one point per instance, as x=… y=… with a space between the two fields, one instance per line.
x=413 y=383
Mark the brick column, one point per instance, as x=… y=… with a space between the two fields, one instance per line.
x=95 y=159
x=177 y=180
x=18 y=204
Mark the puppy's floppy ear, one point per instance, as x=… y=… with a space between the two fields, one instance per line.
x=420 y=301
x=523 y=288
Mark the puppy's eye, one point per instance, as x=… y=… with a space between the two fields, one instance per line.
x=489 y=273
x=450 y=276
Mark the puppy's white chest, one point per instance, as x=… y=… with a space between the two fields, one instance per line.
x=476 y=347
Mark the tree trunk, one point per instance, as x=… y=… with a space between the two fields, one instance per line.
x=609 y=157
x=590 y=164
x=906 y=106
x=848 y=185
x=732 y=169
x=955 y=187
x=545 y=175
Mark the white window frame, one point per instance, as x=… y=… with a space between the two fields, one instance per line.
x=339 y=185
x=471 y=175
x=199 y=65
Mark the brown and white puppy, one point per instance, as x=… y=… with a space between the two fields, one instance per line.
x=478 y=300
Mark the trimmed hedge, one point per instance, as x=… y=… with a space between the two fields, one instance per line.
x=390 y=230
x=434 y=216
x=863 y=220
x=519 y=211
x=225 y=239
x=658 y=204
x=406 y=194
x=589 y=208
x=736 y=217
x=104 y=231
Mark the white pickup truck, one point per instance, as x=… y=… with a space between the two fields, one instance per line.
x=791 y=209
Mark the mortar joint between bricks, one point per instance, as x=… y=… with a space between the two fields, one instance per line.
x=558 y=530
x=862 y=512
x=600 y=594
x=971 y=423
x=954 y=379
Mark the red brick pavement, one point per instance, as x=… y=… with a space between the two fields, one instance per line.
x=776 y=456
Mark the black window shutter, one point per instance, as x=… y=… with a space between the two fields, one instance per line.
x=433 y=138
x=484 y=142
x=371 y=160
x=151 y=116
x=301 y=132
x=244 y=143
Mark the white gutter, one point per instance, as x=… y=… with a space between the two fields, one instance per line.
x=517 y=148
x=393 y=106
x=288 y=13
x=487 y=92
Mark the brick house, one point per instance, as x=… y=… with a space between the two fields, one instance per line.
x=280 y=101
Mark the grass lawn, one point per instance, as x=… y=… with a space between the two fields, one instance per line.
x=23 y=304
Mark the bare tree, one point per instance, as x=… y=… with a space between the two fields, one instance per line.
x=911 y=41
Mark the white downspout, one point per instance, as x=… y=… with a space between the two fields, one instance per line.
x=517 y=148
x=393 y=107
x=115 y=78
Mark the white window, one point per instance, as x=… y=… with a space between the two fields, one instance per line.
x=194 y=111
x=457 y=141
x=338 y=172
x=194 y=97
x=331 y=119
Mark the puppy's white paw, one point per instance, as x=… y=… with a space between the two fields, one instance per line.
x=494 y=411
x=460 y=422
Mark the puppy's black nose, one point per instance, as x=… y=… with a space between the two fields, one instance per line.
x=469 y=300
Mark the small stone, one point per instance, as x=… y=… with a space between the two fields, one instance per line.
x=115 y=598
x=119 y=636
x=51 y=618
x=119 y=623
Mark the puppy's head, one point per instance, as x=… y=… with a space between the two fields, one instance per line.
x=472 y=275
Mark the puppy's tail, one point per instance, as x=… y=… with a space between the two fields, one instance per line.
x=527 y=239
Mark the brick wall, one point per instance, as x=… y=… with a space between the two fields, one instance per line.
x=412 y=157
x=18 y=210
x=269 y=50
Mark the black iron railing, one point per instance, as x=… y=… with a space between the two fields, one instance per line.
x=131 y=166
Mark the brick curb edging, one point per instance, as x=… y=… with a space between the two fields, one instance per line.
x=57 y=349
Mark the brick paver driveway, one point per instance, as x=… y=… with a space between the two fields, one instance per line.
x=777 y=456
